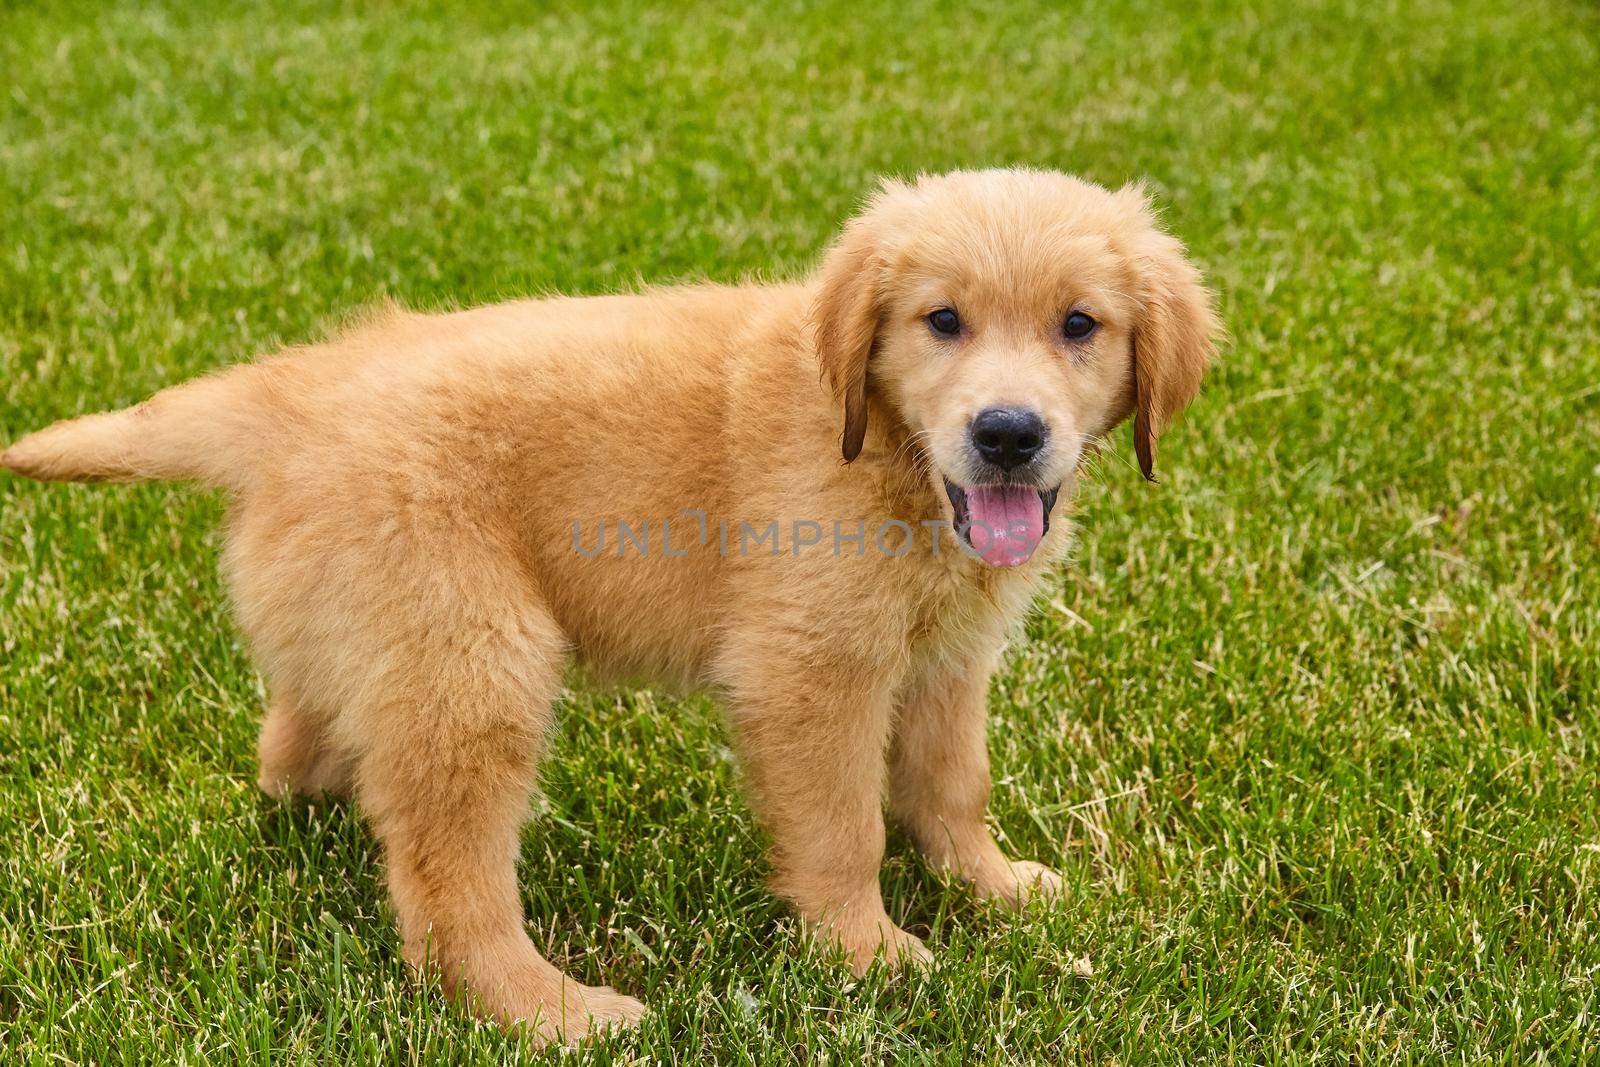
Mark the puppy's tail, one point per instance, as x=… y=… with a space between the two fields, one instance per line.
x=212 y=430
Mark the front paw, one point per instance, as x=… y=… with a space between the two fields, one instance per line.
x=1014 y=884
x=864 y=942
x=897 y=949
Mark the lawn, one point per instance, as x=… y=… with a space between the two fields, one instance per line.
x=1310 y=727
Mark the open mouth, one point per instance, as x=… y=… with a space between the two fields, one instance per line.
x=1002 y=523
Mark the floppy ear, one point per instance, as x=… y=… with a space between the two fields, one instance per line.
x=1173 y=343
x=844 y=322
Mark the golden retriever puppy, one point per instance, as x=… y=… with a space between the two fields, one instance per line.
x=829 y=501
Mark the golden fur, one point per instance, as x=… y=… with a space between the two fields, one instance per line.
x=402 y=555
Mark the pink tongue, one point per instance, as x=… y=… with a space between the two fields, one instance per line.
x=1007 y=522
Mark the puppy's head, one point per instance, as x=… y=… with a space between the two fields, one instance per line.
x=1010 y=318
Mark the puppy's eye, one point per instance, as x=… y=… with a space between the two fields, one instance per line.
x=1078 y=326
x=945 y=322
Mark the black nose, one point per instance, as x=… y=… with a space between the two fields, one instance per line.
x=1007 y=437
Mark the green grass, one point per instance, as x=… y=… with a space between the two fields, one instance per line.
x=1310 y=728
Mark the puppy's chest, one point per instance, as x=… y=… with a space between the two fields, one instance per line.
x=965 y=615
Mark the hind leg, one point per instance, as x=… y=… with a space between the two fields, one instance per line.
x=445 y=777
x=296 y=755
x=437 y=664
